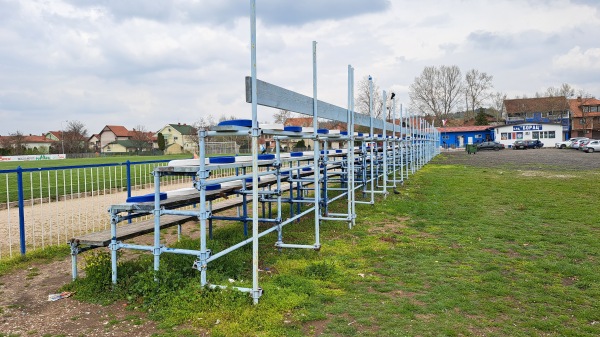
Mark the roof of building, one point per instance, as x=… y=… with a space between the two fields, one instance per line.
x=469 y=128
x=31 y=139
x=149 y=135
x=37 y=139
x=184 y=129
x=541 y=104
x=118 y=130
x=577 y=104
x=56 y=134
x=299 y=121
x=128 y=144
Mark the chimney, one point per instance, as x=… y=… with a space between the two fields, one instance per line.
x=578 y=98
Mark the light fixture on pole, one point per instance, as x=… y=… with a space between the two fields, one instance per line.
x=62 y=136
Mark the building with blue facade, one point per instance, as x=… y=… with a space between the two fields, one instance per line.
x=459 y=136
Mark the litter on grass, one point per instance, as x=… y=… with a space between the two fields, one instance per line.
x=56 y=297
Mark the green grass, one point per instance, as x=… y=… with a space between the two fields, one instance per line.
x=57 y=183
x=461 y=251
x=49 y=254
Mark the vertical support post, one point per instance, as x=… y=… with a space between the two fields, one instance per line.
x=385 y=145
x=325 y=209
x=156 y=251
x=278 y=177
x=21 y=210
x=128 y=180
x=350 y=149
x=113 y=246
x=350 y=153
x=202 y=176
x=316 y=148
x=74 y=245
x=371 y=142
x=256 y=291
x=394 y=141
x=401 y=144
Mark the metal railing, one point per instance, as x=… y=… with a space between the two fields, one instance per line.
x=47 y=206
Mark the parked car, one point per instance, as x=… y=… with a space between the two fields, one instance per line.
x=592 y=146
x=490 y=146
x=534 y=144
x=519 y=144
x=577 y=144
x=567 y=143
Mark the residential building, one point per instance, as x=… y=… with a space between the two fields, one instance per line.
x=54 y=135
x=94 y=142
x=586 y=117
x=112 y=133
x=119 y=146
x=33 y=143
x=179 y=138
x=554 y=110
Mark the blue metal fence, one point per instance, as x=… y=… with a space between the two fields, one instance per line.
x=56 y=202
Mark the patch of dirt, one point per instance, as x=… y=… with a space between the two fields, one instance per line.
x=315 y=328
x=26 y=311
x=393 y=226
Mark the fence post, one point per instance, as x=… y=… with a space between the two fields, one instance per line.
x=21 y=209
x=128 y=164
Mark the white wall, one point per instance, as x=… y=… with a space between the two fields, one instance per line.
x=526 y=131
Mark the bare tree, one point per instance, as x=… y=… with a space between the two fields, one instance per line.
x=364 y=95
x=497 y=99
x=282 y=116
x=74 y=137
x=476 y=87
x=141 y=138
x=565 y=90
x=436 y=91
x=17 y=143
x=204 y=123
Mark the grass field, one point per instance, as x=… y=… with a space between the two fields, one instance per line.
x=461 y=251
x=60 y=182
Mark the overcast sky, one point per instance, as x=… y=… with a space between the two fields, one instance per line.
x=150 y=63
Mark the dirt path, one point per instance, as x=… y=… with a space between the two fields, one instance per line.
x=26 y=311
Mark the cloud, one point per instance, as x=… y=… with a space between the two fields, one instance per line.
x=578 y=59
x=272 y=12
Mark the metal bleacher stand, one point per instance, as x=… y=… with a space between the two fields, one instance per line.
x=306 y=181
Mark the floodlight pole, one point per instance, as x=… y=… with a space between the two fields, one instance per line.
x=62 y=136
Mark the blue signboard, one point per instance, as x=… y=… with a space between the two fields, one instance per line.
x=534 y=127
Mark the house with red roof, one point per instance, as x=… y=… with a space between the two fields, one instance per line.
x=112 y=133
x=36 y=143
x=586 y=117
x=94 y=142
x=539 y=110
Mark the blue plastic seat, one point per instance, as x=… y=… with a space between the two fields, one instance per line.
x=247 y=123
x=221 y=160
x=293 y=128
x=146 y=197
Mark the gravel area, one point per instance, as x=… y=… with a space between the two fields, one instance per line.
x=532 y=159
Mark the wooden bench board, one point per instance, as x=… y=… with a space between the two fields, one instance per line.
x=128 y=231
